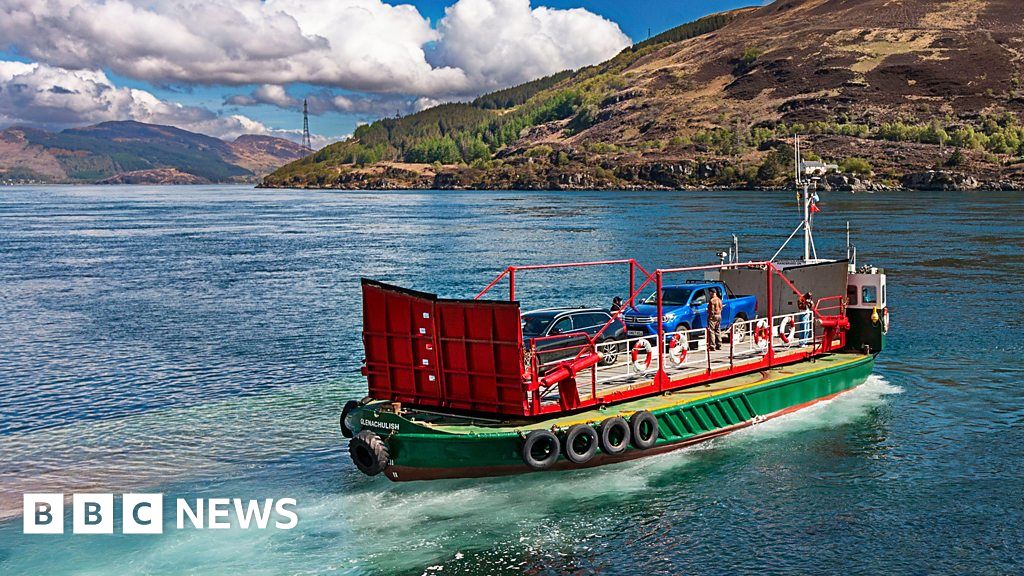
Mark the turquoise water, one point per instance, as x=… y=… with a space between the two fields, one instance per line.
x=199 y=341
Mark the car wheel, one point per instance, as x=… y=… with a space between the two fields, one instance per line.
x=609 y=353
x=739 y=333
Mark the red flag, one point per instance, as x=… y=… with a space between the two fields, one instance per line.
x=814 y=208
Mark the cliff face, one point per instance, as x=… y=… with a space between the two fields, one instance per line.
x=134 y=152
x=902 y=84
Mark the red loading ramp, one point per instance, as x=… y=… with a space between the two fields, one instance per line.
x=431 y=352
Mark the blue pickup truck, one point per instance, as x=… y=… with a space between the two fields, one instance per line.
x=685 y=307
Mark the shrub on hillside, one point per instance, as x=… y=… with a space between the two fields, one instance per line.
x=856 y=166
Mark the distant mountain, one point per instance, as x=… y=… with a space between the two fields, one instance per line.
x=128 y=151
x=264 y=154
x=910 y=93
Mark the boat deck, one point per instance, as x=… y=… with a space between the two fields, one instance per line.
x=620 y=376
x=475 y=424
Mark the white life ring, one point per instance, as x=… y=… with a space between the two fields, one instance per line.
x=762 y=334
x=885 y=321
x=677 y=350
x=642 y=363
x=787 y=329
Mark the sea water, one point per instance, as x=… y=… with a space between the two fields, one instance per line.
x=200 y=342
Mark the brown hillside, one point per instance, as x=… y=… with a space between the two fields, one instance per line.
x=264 y=154
x=871 y=60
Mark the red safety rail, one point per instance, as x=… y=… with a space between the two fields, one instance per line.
x=830 y=306
x=469 y=355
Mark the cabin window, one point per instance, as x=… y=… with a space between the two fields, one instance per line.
x=883 y=295
x=590 y=321
x=851 y=295
x=701 y=297
x=869 y=295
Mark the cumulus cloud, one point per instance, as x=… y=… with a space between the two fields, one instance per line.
x=498 y=43
x=275 y=95
x=360 y=45
x=53 y=98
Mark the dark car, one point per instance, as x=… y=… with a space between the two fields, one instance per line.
x=559 y=333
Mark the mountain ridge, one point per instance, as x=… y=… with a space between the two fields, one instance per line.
x=903 y=87
x=137 y=152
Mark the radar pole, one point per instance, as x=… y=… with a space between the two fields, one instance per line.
x=307 y=143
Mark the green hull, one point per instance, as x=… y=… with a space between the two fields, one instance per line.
x=427 y=446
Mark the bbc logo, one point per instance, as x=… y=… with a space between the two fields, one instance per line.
x=93 y=513
x=144 y=513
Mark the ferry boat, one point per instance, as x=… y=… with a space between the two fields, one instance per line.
x=456 y=390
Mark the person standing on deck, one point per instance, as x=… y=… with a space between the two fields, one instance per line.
x=715 y=321
x=806 y=323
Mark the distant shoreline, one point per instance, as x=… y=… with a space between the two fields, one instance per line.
x=244 y=186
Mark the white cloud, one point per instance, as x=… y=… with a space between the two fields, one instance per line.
x=275 y=95
x=53 y=98
x=361 y=45
x=498 y=43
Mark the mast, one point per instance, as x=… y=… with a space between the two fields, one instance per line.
x=808 y=241
x=805 y=200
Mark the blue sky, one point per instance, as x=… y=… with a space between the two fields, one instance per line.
x=355 y=59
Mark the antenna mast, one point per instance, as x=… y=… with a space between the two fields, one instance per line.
x=307 y=143
x=805 y=199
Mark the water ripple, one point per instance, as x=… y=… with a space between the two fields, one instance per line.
x=200 y=340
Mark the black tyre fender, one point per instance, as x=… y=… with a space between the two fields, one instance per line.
x=644 y=428
x=349 y=406
x=540 y=449
x=369 y=453
x=580 y=443
x=614 y=435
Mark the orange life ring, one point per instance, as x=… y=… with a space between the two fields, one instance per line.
x=676 y=350
x=644 y=347
x=762 y=334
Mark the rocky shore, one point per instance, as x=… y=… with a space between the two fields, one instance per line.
x=650 y=176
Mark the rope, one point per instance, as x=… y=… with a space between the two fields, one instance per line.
x=783 y=247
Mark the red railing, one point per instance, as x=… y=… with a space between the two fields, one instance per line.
x=511 y=273
x=535 y=373
x=452 y=371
